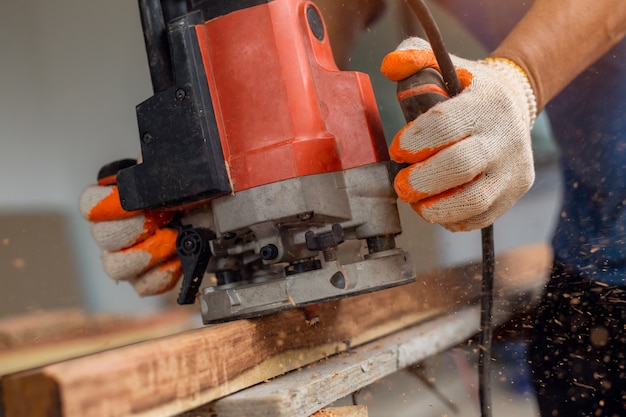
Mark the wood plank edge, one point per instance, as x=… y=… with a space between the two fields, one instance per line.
x=292 y=360
x=303 y=392
x=348 y=411
x=234 y=383
x=25 y=358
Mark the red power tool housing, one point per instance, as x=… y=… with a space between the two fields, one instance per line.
x=281 y=154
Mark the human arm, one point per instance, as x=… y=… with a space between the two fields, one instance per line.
x=557 y=39
x=462 y=147
x=552 y=40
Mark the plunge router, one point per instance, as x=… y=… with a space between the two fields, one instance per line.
x=276 y=158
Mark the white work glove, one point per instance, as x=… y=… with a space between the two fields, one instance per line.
x=471 y=155
x=135 y=245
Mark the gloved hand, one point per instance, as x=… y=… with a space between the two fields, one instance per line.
x=135 y=245
x=471 y=155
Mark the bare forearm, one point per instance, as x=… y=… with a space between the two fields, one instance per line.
x=557 y=39
x=490 y=21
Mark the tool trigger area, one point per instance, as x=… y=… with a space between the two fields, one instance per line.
x=192 y=246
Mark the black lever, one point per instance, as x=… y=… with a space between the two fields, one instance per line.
x=192 y=245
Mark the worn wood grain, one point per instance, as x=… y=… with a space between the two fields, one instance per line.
x=348 y=411
x=46 y=337
x=170 y=375
x=302 y=392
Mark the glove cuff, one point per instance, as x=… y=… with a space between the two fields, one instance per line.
x=515 y=75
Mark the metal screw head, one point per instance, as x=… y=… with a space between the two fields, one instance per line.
x=180 y=94
x=338 y=281
x=146 y=138
x=189 y=245
x=268 y=252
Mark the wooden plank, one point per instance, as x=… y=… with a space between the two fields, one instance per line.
x=46 y=337
x=302 y=392
x=349 y=411
x=170 y=375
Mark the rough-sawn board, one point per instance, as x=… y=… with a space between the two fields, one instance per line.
x=170 y=375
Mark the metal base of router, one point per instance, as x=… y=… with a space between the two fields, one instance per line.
x=333 y=281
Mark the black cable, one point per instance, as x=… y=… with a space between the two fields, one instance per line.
x=454 y=87
x=486 y=322
x=157 y=44
x=433 y=34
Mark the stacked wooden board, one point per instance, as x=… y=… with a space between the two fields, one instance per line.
x=181 y=372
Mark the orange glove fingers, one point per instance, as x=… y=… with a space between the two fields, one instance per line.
x=99 y=204
x=433 y=201
x=453 y=166
x=440 y=174
x=423 y=199
x=479 y=208
x=161 y=245
x=401 y=154
x=135 y=260
x=404 y=189
x=426 y=206
x=120 y=234
x=401 y=64
x=154 y=220
x=160 y=279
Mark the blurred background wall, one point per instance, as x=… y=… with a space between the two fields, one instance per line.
x=71 y=73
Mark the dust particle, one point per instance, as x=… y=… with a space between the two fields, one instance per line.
x=19 y=263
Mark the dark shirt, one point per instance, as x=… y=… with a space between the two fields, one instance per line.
x=589 y=124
